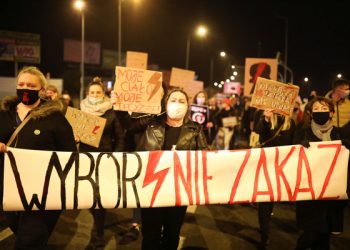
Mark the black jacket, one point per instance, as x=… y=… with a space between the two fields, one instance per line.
x=153 y=132
x=48 y=129
x=263 y=128
x=112 y=138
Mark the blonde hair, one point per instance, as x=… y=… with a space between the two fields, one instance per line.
x=285 y=125
x=34 y=71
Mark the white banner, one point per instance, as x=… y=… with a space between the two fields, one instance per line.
x=63 y=180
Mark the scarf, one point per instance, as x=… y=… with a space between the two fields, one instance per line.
x=96 y=109
x=322 y=132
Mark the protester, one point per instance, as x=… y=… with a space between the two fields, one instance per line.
x=201 y=98
x=52 y=94
x=44 y=128
x=173 y=131
x=112 y=140
x=67 y=98
x=212 y=124
x=274 y=130
x=318 y=218
x=339 y=95
x=224 y=134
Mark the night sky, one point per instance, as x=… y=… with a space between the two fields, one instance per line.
x=318 y=44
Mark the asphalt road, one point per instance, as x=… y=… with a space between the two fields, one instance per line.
x=205 y=227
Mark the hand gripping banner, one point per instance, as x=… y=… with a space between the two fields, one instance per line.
x=44 y=180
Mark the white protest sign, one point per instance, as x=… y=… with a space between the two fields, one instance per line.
x=89 y=128
x=138 y=90
x=229 y=121
x=70 y=180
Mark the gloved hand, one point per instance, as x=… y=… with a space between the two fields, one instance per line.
x=305 y=144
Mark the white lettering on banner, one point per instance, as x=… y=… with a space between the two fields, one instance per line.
x=65 y=180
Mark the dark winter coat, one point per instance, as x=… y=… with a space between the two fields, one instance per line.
x=112 y=139
x=48 y=129
x=263 y=128
x=153 y=136
x=321 y=216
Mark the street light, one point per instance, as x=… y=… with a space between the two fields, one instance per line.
x=339 y=76
x=80 y=5
x=306 y=79
x=201 y=31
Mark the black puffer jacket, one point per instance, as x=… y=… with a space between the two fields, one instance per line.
x=191 y=135
x=48 y=129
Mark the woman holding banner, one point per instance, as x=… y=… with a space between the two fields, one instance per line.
x=30 y=122
x=274 y=130
x=173 y=131
x=112 y=140
x=319 y=218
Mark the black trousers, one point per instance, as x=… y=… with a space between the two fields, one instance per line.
x=264 y=214
x=314 y=241
x=99 y=221
x=161 y=227
x=32 y=228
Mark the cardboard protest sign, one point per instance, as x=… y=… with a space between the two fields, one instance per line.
x=199 y=113
x=138 y=90
x=137 y=60
x=279 y=97
x=179 y=76
x=192 y=87
x=258 y=67
x=232 y=88
x=230 y=121
x=72 y=180
x=88 y=127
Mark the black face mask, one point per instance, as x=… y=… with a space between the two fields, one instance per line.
x=27 y=96
x=320 y=117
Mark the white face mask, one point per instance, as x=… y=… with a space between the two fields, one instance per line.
x=176 y=110
x=200 y=100
x=95 y=100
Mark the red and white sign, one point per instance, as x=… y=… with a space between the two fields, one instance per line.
x=138 y=90
x=70 y=180
x=232 y=88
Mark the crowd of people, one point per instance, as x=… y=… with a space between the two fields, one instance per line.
x=34 y=119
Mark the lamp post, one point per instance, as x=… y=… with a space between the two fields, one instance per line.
x=80 y=5
x=285 y=19
x=201 y=31
x=119 y=32
x=211 y=67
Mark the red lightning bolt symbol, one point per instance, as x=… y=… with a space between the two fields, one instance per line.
x=151 y=175
x=94 y=131
x=155 y=80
